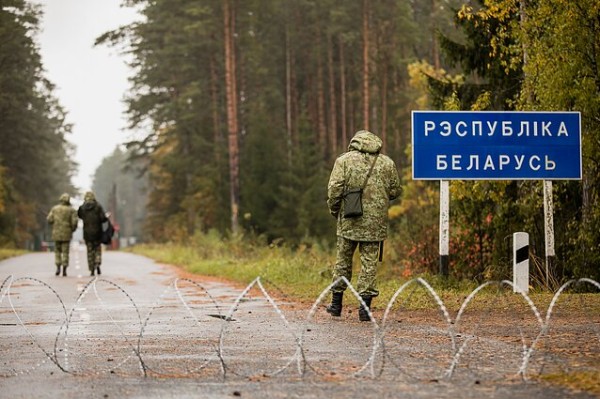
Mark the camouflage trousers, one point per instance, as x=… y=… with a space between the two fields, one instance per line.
x=94 y=254
x=369 y=254
x=61 y=253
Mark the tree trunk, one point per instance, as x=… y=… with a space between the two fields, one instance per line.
x=366 y=99
x=214 y=99
x=435 y=51
x=343 y=97
x=232 y=123
x=321 y=103
x=186 y=153
x=332 y=102
x=383 y=130
x=288 y=93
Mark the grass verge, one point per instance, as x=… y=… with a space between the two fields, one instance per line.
x=301 y=274
x=579 y=381
x=9 y=253
x=304 y=272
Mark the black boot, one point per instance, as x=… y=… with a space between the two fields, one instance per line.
x=98 y=270
x=64 y=271
x=92 y=272
x=335 y=309
x=363 y=314
x=57 y=270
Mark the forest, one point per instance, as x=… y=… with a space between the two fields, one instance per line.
x=36 y=158
x=240 y=107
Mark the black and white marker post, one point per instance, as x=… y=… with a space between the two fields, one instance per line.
x=521 y=262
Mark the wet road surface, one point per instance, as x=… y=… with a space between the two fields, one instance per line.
x=144 y=330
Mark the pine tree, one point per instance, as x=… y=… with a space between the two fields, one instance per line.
x=34 y=154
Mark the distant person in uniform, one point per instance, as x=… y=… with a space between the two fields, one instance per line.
x=362 y=166
x=92 y=214
x=63 y=219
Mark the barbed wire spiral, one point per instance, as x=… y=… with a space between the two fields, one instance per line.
x=188 y=331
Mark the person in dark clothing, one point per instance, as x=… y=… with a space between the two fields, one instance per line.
x=92 y=214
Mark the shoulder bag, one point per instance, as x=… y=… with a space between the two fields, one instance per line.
x=352 y=197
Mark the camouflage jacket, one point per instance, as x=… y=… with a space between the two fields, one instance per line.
x=349 y=171
x=63 y=219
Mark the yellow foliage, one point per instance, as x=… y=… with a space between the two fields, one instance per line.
x=506 y=43
x=483 y=102
x=395 y=212
x=478 y=190
x=452 y=103
x=418 y=73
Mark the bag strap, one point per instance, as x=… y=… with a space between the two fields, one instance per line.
x=369 y=174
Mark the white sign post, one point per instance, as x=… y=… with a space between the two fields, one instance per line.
x=548 y=228
x=444 y=227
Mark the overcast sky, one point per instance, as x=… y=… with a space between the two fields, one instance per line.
x=90 y=81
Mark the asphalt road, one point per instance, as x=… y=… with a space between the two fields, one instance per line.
x=145 y=330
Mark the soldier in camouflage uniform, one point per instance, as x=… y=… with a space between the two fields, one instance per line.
x=368 y=231
x=92 y=214
x=63 y=219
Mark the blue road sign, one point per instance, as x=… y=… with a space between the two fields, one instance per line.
x=490 y=145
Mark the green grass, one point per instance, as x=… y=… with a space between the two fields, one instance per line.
x=579 y=381
x=304 y=272
x=9 y=253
